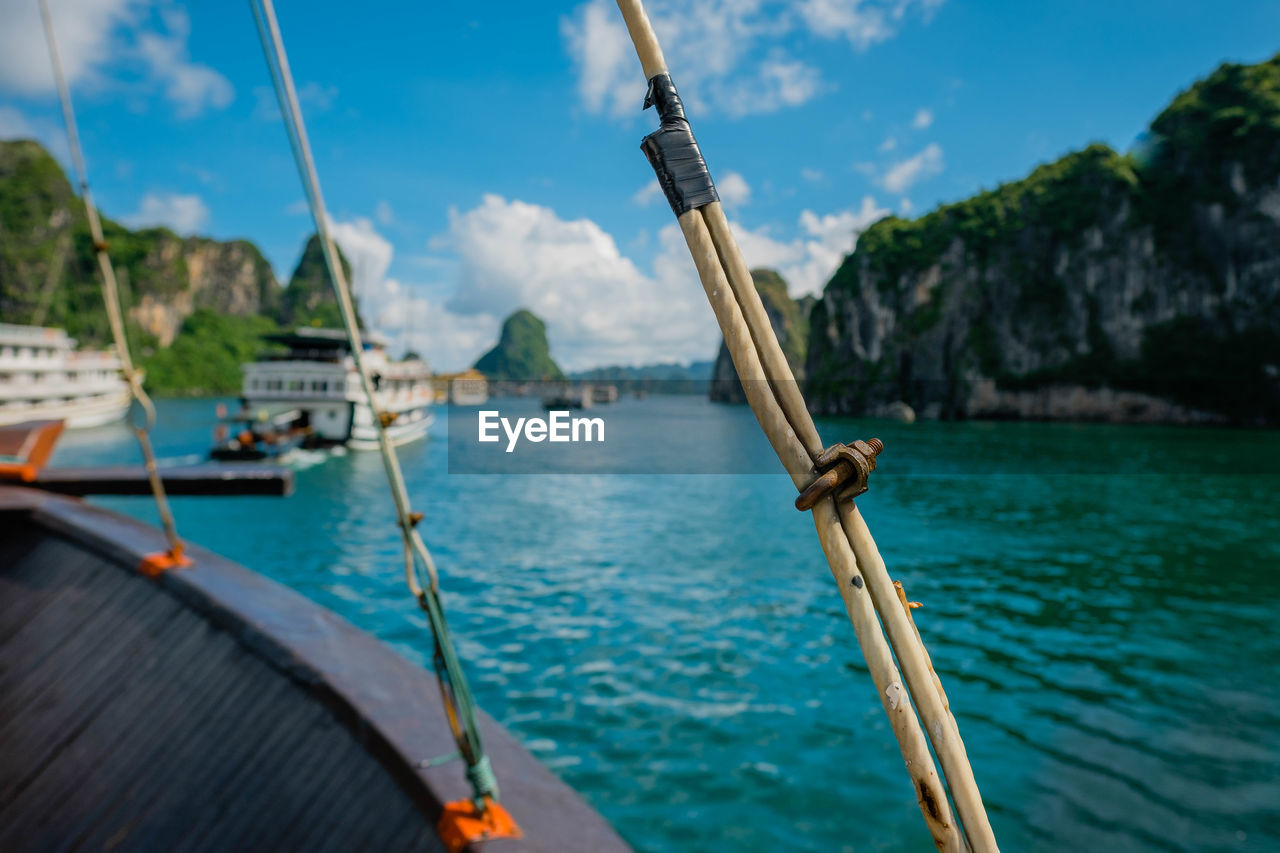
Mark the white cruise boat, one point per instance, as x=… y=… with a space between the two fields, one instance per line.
x=44 y=377
x=318 y=378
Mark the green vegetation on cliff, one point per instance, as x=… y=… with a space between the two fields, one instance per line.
x=522 y=353
x=194 y=305
x=1229 y=120
x=1063 y=198
x=790 y=321
x=309 y=299
x=1150 y=272
x=206 y=355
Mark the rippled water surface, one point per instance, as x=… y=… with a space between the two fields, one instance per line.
x=674 y=647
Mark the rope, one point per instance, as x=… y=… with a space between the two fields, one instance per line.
x=111 y=297
x=420 y=569
x=855 y=562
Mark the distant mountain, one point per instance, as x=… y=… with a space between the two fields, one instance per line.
x=522 y=353
x=196 y=307
x=309 y=299
x=48 y=275
x=790 y=320
x=694 y=371
x=666 y=378
x=1103 y=286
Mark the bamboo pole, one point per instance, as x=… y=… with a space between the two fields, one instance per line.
x=778 y=371
x=787 y=423
x=930 y=793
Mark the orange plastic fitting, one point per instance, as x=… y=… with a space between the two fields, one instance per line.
x=462 y=825
x=156 y=564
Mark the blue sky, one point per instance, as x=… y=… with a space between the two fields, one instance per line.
x=482 y=157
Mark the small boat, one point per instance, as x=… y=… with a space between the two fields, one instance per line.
x=604 y=393
x=568 y=397
x=252 y=437
x=316 y=376
x=43 y=376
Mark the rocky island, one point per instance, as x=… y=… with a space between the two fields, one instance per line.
x=1116 y=287
x=196 y=306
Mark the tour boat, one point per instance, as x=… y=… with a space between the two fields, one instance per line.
x=44 y=377
x=251 y=437
x=568 y=397
x=316 y=376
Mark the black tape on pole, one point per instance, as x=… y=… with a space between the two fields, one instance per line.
x=673 y=152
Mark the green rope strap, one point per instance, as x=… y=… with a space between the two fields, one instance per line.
x=420 y=569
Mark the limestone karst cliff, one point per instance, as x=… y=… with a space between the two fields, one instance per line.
x=47 y=271
x=790 y=320
x=522 y=353
x=1140 y=287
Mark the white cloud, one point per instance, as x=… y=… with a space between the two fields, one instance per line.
x=96 y=37
x=905 y=173
x=317 y=96
x=313 y=97
x=184 y=214
x=808 y=261
x=732 y=56
x=86 y=41
x=889 y=144
x=647 y=193
x=15 y=125
x=863 y=22
x=265 y=107
x=779 y=82
x=600 y=307
x=192 y=87
x=369 y=254
x=733 y=189
x=923 y=118
x=598 y=42
x=905 y=206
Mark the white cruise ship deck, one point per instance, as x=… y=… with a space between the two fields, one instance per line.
x=317 y=377
x=44 y=377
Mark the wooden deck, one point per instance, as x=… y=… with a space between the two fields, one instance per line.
x=214 y=709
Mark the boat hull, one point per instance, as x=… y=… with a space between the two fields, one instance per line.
x=77 y=415
x=407 y=428
x=212 y=707
x=348 y=423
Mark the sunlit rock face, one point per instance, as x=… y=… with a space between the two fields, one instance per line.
x=1140 y=287
x=790 y=320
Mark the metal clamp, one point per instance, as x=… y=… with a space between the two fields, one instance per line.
x=843 y=471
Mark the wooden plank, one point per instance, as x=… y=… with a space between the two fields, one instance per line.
x=26 y=447
x=225 y=479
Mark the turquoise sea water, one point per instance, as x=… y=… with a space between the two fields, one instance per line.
x=675 y=649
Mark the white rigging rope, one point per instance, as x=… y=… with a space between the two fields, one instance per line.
x=115 y=315
x=455 y=692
